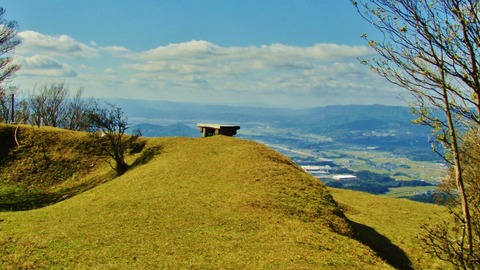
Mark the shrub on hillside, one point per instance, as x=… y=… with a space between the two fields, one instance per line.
x=108 y=126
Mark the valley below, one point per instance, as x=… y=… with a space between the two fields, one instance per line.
x=392 y=172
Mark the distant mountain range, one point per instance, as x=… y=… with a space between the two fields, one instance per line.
x=375 y=125
x=312 y=118
x=389 y=127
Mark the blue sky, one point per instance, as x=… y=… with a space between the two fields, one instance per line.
x=268 y=53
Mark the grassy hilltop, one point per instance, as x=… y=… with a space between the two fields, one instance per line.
x=206 y=203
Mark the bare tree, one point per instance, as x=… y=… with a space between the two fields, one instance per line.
x=4 y=105
x=37 y=109
x=110 y=122
x=431 y=49
x=77 y=111
x=53 y=106
x=8 y=42
x=55 y=109
x=49 y=106
x=22 y=111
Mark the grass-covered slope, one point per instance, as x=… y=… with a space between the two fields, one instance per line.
x=207 y=203
x=391 y=226
x=41 y=166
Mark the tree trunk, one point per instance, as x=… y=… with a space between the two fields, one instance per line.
x=458 y=173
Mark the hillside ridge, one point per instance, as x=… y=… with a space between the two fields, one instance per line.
x=217 y=202
x=41 y=166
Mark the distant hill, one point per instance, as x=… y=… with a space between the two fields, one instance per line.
x=178 y=129
x=370 y=125
x=166 y=112
x=202 y=203
x=310 y=118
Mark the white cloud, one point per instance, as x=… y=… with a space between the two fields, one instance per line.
x=188 y=50
x=62 y=45
x=202 y=71
x=114 y=50
x=270 y=70
x=202 y=57
x=39 y=65
x=195 y=51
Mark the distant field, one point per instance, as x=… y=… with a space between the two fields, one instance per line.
x=407 y=191
x=357 y=159
x=400 y=168
x=386 y=162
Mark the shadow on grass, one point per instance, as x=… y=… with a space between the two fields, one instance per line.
x=147 y=155
x=23 y=200
x=384 y=248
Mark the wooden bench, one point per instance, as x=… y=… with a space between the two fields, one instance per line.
x=218 y=129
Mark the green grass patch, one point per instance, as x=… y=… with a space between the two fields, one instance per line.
x=200 y=203
x=204 y=203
